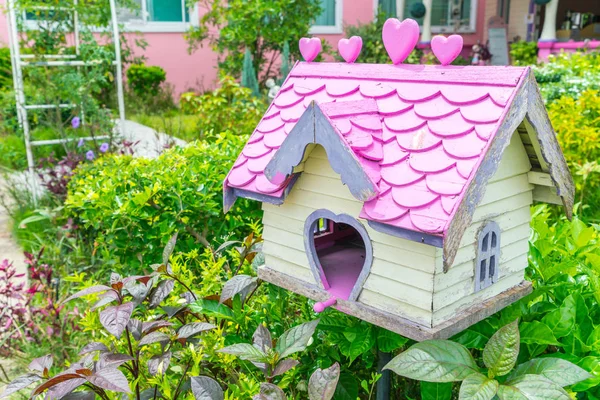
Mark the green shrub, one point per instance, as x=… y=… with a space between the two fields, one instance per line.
x=229 y=107
x=568 y=75
x=5 y=69
x=145 y=80
x=130 y=207
x=523 y=53
x=577 y=125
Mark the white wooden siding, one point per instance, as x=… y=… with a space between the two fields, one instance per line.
x=401 y=278
x=406 y=277
x=507 y=201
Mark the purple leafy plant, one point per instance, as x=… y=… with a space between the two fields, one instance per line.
x=102 y=369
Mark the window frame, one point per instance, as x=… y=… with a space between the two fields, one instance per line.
x=142 y=24
x=338 y=28
x=487 y=251
x=471 y=28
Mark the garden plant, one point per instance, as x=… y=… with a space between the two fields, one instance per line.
x=139 y=286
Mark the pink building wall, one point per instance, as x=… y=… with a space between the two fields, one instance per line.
x=198 y=70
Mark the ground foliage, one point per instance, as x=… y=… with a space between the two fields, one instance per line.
x=130 y=207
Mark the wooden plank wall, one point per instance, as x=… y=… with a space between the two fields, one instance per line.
x=402 y=275
x=507 y=201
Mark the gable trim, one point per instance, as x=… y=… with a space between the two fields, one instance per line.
x=230 y=195
x=527 y=105
x=315 y=128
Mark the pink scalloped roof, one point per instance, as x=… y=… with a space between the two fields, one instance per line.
x=419 y=132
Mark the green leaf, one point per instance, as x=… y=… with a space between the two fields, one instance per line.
x=531 y=387
x=501 y=352
x=322 y=383
x=478 y=387
x=537 y=332
x=562 y=320
x=356 y=341
x=434 y=361
x=436 y=391
x=295 y=339
x=212 y=308
x=347 y=388
x=559 y=371
x=591 y=364
x=388 y=341
x=245 y=351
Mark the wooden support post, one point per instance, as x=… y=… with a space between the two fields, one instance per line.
x=384 y=384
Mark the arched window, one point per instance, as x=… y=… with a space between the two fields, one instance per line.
x=488 y=256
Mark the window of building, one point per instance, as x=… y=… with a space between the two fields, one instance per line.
x=447 y=15
x=144 y=16
x=330 y=20
x=158 y=16
x=488 y=256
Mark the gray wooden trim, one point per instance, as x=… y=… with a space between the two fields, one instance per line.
x=463 y=214
x=395 y=323
x=527 y=106
x=537 y=118
x=313 y=258
x=419 y=237
x=230 y=195
x=315 y=127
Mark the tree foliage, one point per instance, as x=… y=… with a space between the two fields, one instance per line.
x=262 y=26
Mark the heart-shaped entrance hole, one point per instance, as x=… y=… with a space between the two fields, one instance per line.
x=341 y=254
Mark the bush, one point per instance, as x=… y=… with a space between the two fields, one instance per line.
x=5 y=69
x=568 y=75
x=523 y=53
x=577 y=124
x=229 y=107
x=145 y=80
x=130 y=207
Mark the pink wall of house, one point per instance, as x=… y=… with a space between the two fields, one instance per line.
x=198 y=70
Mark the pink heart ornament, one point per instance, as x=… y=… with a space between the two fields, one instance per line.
x=400 y=38
x=446 y=49
x=310 y=48
x=350 y=48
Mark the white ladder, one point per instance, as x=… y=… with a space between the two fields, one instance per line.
x=18 y=61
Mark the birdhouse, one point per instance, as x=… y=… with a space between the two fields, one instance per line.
x=400 y=194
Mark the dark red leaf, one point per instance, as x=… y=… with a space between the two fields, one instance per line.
x=154 y=337
x=19 y=383
x=151 y=326
x=159 y=363
x=161 y=292
x=135 y=328
x=110 y=379
x=85 y=292
x=55 y=381
x=42 y=364
x=112 y=360
x=94 y=346
x=84 y=372
x=105 y=299
x=114 y=319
